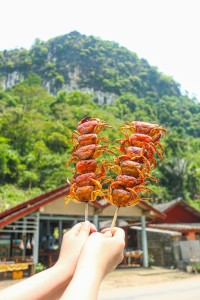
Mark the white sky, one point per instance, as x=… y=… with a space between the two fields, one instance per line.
x=165 y=32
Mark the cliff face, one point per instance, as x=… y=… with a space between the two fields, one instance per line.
x=100 y=97
x=74 y=61
x=11 y=79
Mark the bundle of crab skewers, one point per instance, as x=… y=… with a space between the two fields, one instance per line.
x=86 y=181
x=134 y=164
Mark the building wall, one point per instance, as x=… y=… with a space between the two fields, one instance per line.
x=180 y=215
x=58 y=207
x=160 y=246
x=123 y=211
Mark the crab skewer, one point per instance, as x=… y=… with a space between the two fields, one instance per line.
x=86 y=182
x=134 y=164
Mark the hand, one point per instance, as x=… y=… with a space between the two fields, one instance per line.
x=71 y=247
x=103 y=251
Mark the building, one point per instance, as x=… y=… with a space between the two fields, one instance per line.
x=180 y=217
x=32 y=231
x=175 y=240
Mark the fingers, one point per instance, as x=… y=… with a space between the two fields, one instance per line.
x=107 y=229
x=85 y=229
x=88 y=226
x=82 y=226
x=108 y=233
x=74 y=231
x=117 y=232
x=114 y=230
x=92 y=228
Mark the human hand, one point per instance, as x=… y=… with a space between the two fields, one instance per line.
x=71 y=247
x=102 y=252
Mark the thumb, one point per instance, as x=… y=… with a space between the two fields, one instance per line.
x=85 y=229
x=108 y=234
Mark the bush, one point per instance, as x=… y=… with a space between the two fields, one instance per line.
x=39 y=267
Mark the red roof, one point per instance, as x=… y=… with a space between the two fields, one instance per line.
x=32 y=205
x=168 y=206
x=179 y=211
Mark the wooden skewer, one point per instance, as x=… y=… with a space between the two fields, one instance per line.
x=86 y=211
x=114 y=219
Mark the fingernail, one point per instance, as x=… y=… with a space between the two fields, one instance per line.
x=108 y=234
x=86 y=224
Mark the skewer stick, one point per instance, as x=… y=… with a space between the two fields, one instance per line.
x=86 y=211
x=114 y=219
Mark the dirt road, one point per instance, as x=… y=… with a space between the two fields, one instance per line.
x=133 y=278
x=150 y=284
x=183 y=289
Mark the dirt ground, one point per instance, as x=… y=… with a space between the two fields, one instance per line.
x=131 y=277
x=139 y=276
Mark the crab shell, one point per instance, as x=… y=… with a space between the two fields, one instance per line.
x=89 y=151
x=129 y=181
x=84 y=194
x=87 y=139
x=138 y=139
x=91 y=125
x=84 y=179
x=131 y=168
x=86 y=166
x=122 y=198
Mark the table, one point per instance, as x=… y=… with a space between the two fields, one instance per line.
x=132 y=259
x=16 y=267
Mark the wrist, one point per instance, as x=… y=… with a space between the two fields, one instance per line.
x=95 y=273
x=63 y=271
x=84 y=284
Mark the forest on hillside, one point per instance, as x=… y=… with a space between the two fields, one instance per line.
x=101 y=65
x=36 y=125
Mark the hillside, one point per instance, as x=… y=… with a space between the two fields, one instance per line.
x=46 y=90
x=76 y=61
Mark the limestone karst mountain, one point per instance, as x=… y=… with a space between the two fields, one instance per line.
x=75 y=61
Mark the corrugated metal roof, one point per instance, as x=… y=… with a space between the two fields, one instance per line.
x=177 y=227
x=157 y=230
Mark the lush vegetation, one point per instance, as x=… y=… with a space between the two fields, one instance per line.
x=36 y=126
x=101 y=65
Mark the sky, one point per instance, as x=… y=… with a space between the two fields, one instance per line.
x=164 y=32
